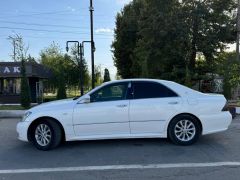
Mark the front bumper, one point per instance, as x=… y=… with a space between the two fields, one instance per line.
x=22 y=129
x=216 y=122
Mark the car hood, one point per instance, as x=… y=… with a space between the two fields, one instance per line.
x=53 y=104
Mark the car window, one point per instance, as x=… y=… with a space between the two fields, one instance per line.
x=144 y=90
x=112 y=92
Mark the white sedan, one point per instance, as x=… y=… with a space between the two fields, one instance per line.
x=131 y=108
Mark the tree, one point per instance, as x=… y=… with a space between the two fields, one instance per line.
x=53 y=58
x=31 y=59
x=211 y=25
x=161 y=49
x=98 y=75
x=20 y=54
x=76 y=61
x=125 y=39
x=61 y=91
x=106 y=77
x=25 y=89
x=228 y=67
x=20 y=50
x=65 y=68
x=162 y=39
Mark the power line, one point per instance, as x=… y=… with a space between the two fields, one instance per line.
x=74 y=20
x=63 y=19
x=33 y=16
x=55 y=37
x=45 y=25
x=65 y=12
x=59 y=10
x=40 y=30
x=51 y=31
x=50 y=18
x=37 y=14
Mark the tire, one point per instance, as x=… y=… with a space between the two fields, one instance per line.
x=183 y=135
x=50 y=130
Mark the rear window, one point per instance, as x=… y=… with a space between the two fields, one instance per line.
x=145 y=90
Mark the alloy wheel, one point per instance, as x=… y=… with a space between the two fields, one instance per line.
x=43 y=134
x=185 y=130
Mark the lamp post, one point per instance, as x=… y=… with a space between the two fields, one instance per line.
x=84 y=43
x=80 y=54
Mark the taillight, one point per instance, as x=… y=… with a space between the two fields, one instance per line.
x=225 y=108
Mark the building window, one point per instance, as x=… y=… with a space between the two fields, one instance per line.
x=10 y=86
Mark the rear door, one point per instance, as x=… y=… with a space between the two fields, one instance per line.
x=151 y=105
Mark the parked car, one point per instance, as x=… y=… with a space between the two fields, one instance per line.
x=131 y=108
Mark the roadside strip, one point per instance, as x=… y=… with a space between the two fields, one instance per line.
x=11 y=113
x=120 y=167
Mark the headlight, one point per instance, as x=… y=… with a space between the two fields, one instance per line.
x=26 y=114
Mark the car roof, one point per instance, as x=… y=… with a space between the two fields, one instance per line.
x=138 y=79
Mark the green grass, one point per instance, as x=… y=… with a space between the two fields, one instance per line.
x=238 y=104
x=11 y=107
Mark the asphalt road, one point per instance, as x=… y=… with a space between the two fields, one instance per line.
x=122 y=159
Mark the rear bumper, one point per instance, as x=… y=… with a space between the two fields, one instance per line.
x=215 y=122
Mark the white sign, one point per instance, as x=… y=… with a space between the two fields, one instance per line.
x=10 y=70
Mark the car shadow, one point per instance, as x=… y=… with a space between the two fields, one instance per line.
x=118 y=142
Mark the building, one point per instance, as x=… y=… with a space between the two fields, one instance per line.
x=10 y=81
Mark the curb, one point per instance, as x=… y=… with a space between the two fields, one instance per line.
x=11 y=113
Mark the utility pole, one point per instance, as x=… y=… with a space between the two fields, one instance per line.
x=91 y=9
x=238 y=30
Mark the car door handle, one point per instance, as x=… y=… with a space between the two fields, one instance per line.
x=122 y=105
x=174 y=102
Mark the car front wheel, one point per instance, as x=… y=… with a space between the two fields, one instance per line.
x=184 y=130
x=46 y=135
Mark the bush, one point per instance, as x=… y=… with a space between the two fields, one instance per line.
x=227 y=89
x=61 y=92
x=25 y=89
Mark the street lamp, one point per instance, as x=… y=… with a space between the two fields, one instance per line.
x=80 y=54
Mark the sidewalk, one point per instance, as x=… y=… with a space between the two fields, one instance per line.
x=11 y=113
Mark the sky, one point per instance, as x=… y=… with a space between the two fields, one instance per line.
x=42 y=22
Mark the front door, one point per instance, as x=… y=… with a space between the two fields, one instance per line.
x=106 y=115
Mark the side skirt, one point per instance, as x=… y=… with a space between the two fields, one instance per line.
x=104 y=137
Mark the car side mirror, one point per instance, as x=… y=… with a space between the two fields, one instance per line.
x=86 y=99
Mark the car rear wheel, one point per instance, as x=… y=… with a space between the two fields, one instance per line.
x=184 y=130
x=46 y=135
